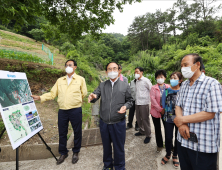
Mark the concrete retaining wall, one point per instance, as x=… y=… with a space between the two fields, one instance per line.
x=28 y=152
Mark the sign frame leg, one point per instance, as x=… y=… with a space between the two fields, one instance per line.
x=17 y=158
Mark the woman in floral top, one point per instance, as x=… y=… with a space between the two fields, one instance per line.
x=168 y=103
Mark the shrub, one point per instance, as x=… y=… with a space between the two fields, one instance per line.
x=38 y=34
x=73 y=55
x=84 y=68
x=219 y=48
x=66 y=47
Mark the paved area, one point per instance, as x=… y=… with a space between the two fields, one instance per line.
x=139 y=156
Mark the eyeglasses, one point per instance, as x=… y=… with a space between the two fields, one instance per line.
x=70 y=65
x=114 y=69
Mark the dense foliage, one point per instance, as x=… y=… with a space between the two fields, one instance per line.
x=99 y=53
x=155 y=40
x=83 y=16
x=153 y=30
x=155 y=43
x=169 y=58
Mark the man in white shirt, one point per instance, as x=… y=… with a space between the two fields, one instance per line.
x=143 y=87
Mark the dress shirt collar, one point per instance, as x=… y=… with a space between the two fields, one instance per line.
x=67 y=77
x=114 y=81
x=71 y=76
x=140 y=78
x=201 y=78
x=70 y=79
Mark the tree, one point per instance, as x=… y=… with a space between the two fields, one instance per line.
x=161 y=26
x=207 y=8
x=22 y=12
x=66 y=47
x=72 y=17
x=171 y=19
x=218 y=31
x=149 y=31
x=136 y=33
x=184 y=16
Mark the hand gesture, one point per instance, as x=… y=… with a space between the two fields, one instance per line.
x=184 y=131
x=178 y=121
x=162 y=112
x=91 y=97
x=35 y=97
x=122 y=110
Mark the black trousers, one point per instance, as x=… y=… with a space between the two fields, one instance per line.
x=115 y=133
x=169 y=138
x=75 y=117
x=188 y=161
x=131 y=116
x=158 y=133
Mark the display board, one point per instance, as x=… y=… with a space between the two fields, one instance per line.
x=18 y=108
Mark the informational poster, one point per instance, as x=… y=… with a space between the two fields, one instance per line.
x=17 y=108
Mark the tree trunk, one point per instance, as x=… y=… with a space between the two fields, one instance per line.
x=147 y=44
x=142 y=41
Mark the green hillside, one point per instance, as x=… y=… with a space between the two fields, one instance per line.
x=22 y=54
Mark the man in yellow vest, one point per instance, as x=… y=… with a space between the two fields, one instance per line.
x=70 y=89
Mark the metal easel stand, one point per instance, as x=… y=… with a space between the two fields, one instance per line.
x=17 y=149
x=47 y=147
x=1 y=135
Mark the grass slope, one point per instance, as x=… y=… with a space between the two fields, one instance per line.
x=17 y=42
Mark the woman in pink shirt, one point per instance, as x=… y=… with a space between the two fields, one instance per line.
x=156 y=109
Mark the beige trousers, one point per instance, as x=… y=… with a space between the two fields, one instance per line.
x=143 y=120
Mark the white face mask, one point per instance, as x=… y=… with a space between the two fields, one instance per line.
x=69 y=70
x=137 y=76
x=113 y=74
x=187 y=72
x=160 y=81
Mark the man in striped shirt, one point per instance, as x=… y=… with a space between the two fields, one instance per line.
x=198 y=110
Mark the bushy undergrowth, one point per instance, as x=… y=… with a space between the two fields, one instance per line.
x=169 y=58
x=21 y=56
x=151 y=77
x=85 y=69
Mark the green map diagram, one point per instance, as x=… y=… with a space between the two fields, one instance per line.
x=16 y=122
x=14 y=91
x=26 y=108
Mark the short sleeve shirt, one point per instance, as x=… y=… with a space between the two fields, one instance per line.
x=203 y=95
